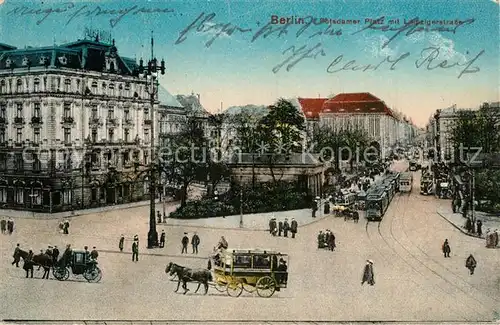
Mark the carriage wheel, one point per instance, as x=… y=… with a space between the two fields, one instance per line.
x=266 y=287
x=249 y=288
x=66 y=274
x=234 y=289
x=60 y=273
x=93 y=275
x=220 y=285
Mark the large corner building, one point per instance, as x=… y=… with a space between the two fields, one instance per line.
x=73 y=120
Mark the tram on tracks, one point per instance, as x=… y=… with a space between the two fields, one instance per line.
x=405 y=182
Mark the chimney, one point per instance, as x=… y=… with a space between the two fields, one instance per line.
x=198 y=97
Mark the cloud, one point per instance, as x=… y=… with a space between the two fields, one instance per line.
x=374 y=44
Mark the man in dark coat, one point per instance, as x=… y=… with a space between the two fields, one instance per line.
x=280 y=227
x=185 y=243
x=273 y=227
x=446 y=248
x=10 y=226
x=286 y=227
x=293 y=228
x=195 y=241
x=16 y=256
x=468 y=225
x=94 y=254
x=87 y=253
x=3 y=226
x=66 y=257
x=28 y=263
x=471 y=264
x=121 y=242
x=368 y=275
x=135 y=251
x=66 y=227
x=326 y=208
x=158 y=216
x=162 y=239
x=331 y=241
x=479 y=224
x=55 y=254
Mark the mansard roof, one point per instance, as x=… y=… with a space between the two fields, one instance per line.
x=82 y=54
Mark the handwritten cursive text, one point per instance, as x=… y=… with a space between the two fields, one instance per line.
x=352 y=65
x=429 y=59
x=298 y=55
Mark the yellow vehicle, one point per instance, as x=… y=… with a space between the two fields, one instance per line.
x=262 y=271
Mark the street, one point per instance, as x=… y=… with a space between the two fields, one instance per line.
x=413 y=281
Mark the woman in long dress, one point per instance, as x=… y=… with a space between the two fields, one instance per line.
x=368 y=275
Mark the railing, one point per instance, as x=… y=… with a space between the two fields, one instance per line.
x=19 y=120
x=36 y=120
x=112 y=121
x=147 y=121
x=68 y=119
x=95 y=120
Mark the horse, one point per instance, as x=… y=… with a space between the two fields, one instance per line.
x=42 y=260
x=184 y=274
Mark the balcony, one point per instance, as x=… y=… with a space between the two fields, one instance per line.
x=128 y=121
x=19 y=120
x=112 y=122
x=36 y=120
x=68 y=120
x=3 y=120
x=147 y=121
x=94 y=120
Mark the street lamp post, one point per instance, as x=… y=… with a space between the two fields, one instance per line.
x=151 y=73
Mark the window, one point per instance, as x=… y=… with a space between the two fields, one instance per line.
x=146 y=158
x=67 y=135
x=3 y=88
x=2 y=135
x=66 y=195
x=111 y=113
x=19 y=111
x=19 y=84
x=127 y=90
x=104 y=88
x=111 y=135
x=3 y=110
x=146 y=135
x=3 y=195
x=261 y=261
x=36 y=110
x=36 y=196
x=111 y=89
x=67 y=85
x=19 y=195
x=146 y=113
x=127 y=114
x=19 y=135
x=36 y=85
x=95 y=113
x=18 y=162
x=94 y=87
x=94 y=135
x=37 y=165
x=126 y=135
x=3 y=161
x=36 y=135
x=126 y=157
x=67 y=110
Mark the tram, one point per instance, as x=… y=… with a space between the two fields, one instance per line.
x=376 y=205
x=405 y=182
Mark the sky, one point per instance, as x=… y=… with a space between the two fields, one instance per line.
x=231 y=53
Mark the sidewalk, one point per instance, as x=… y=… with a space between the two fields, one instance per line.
x=458 y=221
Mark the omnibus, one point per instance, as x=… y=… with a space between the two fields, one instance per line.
x=405 y=182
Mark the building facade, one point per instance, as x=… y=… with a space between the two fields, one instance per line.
x=75 y=122
x=363 y=111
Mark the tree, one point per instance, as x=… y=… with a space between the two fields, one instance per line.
x=281 y=132
x=185 y=157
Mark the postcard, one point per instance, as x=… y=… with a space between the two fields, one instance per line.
x=230 y=162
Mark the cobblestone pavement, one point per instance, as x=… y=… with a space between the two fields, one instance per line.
x=414 y=282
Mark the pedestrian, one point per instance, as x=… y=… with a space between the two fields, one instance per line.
x=331 y=241
x=162 y=239
x=158 y=216
x=135 y=251
x=121 y=242
x=286 y=227
x=61 y=226
x=49 y=251
x=271 y=225
x=136 y=238
x=479 y=224
x=326 y=208
x=55 y=254
x=66 y=257
x=16 y=256
x=10 y=226
x=468 y=225
x=446 y=248
x=94 y=254
x=3 y=226
x=471 y=264
x=28 y=263
x=274 y=227
x=368 y=275
x=195 y=241
x=495 y=238
x=320 y=239
x=293 y=227
x=280 y=228
x=185 y=242
x=66 y=227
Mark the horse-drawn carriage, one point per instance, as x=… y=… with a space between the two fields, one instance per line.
x=251 y=270
x=80 y=264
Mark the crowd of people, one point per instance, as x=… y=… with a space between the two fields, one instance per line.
x=195 y=242
x=7 y=226
x=326 y=239
x=278 y=228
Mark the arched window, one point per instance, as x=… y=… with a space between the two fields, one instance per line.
x=19 y=85
x=94 y=87
x=3 y=88
x=111 y=89
x=36 y=85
